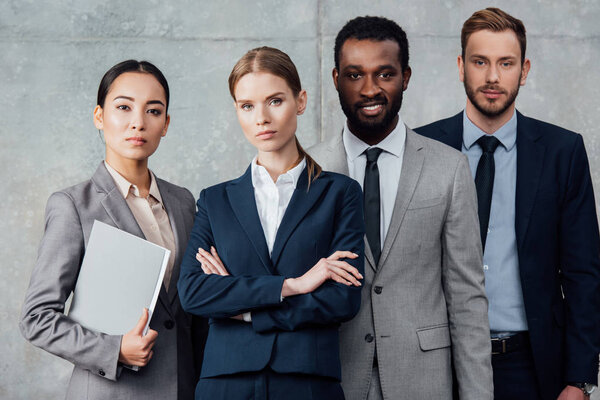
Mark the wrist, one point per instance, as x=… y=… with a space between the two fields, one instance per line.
x=290 y=287
x=586 y=388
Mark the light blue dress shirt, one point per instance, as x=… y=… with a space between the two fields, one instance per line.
x=500 y=258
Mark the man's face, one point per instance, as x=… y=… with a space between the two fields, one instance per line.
x=370 y=83
x=491 y=72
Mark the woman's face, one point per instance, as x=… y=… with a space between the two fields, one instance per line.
x=133 y=117
x=267 y=111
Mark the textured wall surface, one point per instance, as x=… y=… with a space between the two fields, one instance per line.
x=53 y=54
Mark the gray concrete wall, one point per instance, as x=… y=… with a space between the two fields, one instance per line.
x=53 y=54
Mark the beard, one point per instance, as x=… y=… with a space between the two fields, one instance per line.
x=377 y=124
x=490 y=108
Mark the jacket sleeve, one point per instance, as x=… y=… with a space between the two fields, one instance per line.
x=332 y=302
x=54 y=276
x=580 y=267
x=464 y=290
x=217 y=296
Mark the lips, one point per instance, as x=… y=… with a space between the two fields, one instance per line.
x=136 y=140
x=491 y=93
x=371 y=109
x=264 y=135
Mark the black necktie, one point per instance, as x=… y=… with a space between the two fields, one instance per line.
x=372 y=202
x=484 y=182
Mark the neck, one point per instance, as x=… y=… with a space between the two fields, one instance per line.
x=279 y=162
x=135 y=171
x=371 y=137
x=488 y=124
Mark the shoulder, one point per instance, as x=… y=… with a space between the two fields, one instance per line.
x=340 y=183
x=435 y=151
x=182 y=193
x=432 y=129
x=552 y=134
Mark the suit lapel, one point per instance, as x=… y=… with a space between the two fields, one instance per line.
x=241 y=198
x=451 y=132
x=530 y=158
x=118 y=210
x=300 y=204
x=412 y=163
x=173 y=208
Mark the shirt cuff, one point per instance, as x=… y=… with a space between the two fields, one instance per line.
x=247 y=317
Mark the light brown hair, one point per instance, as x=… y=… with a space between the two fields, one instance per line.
x=276 y=62
x=495 y=20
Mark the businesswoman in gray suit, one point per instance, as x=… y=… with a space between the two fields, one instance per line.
x=133 y=100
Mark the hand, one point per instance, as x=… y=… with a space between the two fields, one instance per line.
x=211 y=263
x=572 y=393
x=136 y=349
x=326 y=268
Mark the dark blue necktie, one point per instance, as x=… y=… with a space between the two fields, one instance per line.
x=372 y=202
x=484 y=182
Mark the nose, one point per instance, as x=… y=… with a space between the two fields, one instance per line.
x=262 y=115
x=492 y=75
x=138 y=120
x=370 y=88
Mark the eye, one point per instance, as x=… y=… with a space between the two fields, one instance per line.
x=246 y=107
x=479 y=63
x=154 y=111
x=385 y=75
x=354 y=76
x=123 y=107
x=506 y=64
x=275 y=102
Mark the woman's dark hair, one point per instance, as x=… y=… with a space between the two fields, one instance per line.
x=130 y=66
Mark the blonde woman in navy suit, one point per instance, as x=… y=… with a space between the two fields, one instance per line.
x=133 y=100
x=275 y=257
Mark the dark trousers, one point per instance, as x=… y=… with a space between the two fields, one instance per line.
x=269 y=385
x=514 y=376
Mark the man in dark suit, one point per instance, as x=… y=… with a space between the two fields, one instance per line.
x=537 y=217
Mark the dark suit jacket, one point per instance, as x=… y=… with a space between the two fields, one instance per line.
x=558 y=248
x=300 y=333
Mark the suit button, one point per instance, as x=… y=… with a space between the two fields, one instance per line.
x=101 y=372
x=169 y=324
x=378 y=289
x=369 y=338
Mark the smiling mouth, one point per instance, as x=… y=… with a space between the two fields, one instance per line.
x=371 y=110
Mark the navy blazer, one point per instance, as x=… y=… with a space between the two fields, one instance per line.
x=300 y=333
x=558 y=248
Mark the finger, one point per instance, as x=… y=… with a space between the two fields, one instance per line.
x=345 y=275
x=347 y=267
x=150 y=355
x=205 y=269
x=339 y=279
x=138 y=329
x=342 y=254
x=216 y=255
x=214 y=263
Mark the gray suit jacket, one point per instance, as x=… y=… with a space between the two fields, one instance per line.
x=424 y=303
x=70 y=214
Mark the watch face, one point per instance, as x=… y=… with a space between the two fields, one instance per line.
x=589 y=388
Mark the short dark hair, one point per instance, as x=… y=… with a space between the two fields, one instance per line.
x=130 y=66
x=372 y=28
x=495 y=20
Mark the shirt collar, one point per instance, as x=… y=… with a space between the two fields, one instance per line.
x=126 y=187
x=260 y=175
x=506 y=134
x=393 y=143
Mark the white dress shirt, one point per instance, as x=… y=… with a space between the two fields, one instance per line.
x=389 y=164
x=272 y=198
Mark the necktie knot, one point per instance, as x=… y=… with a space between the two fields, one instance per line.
x=373 y=154
x=488 y=143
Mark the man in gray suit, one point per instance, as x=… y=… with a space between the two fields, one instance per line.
x=423 y=307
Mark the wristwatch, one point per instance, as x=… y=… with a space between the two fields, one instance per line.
x=586 y=388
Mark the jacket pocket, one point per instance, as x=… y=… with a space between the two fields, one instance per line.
x=434 y=337
x=425 y=203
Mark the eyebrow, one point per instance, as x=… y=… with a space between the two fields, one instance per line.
x=379 y=67
x=487 y=58
x=132 y=99
x=268 y=97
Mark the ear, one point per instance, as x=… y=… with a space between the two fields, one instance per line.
x=525 y=71
x=301 y=101
x=335 y=75
x=167 y=122
x=98 y=117
x=461 y=68
x=406 y=77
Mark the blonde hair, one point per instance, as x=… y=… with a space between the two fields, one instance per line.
x=276 y=62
